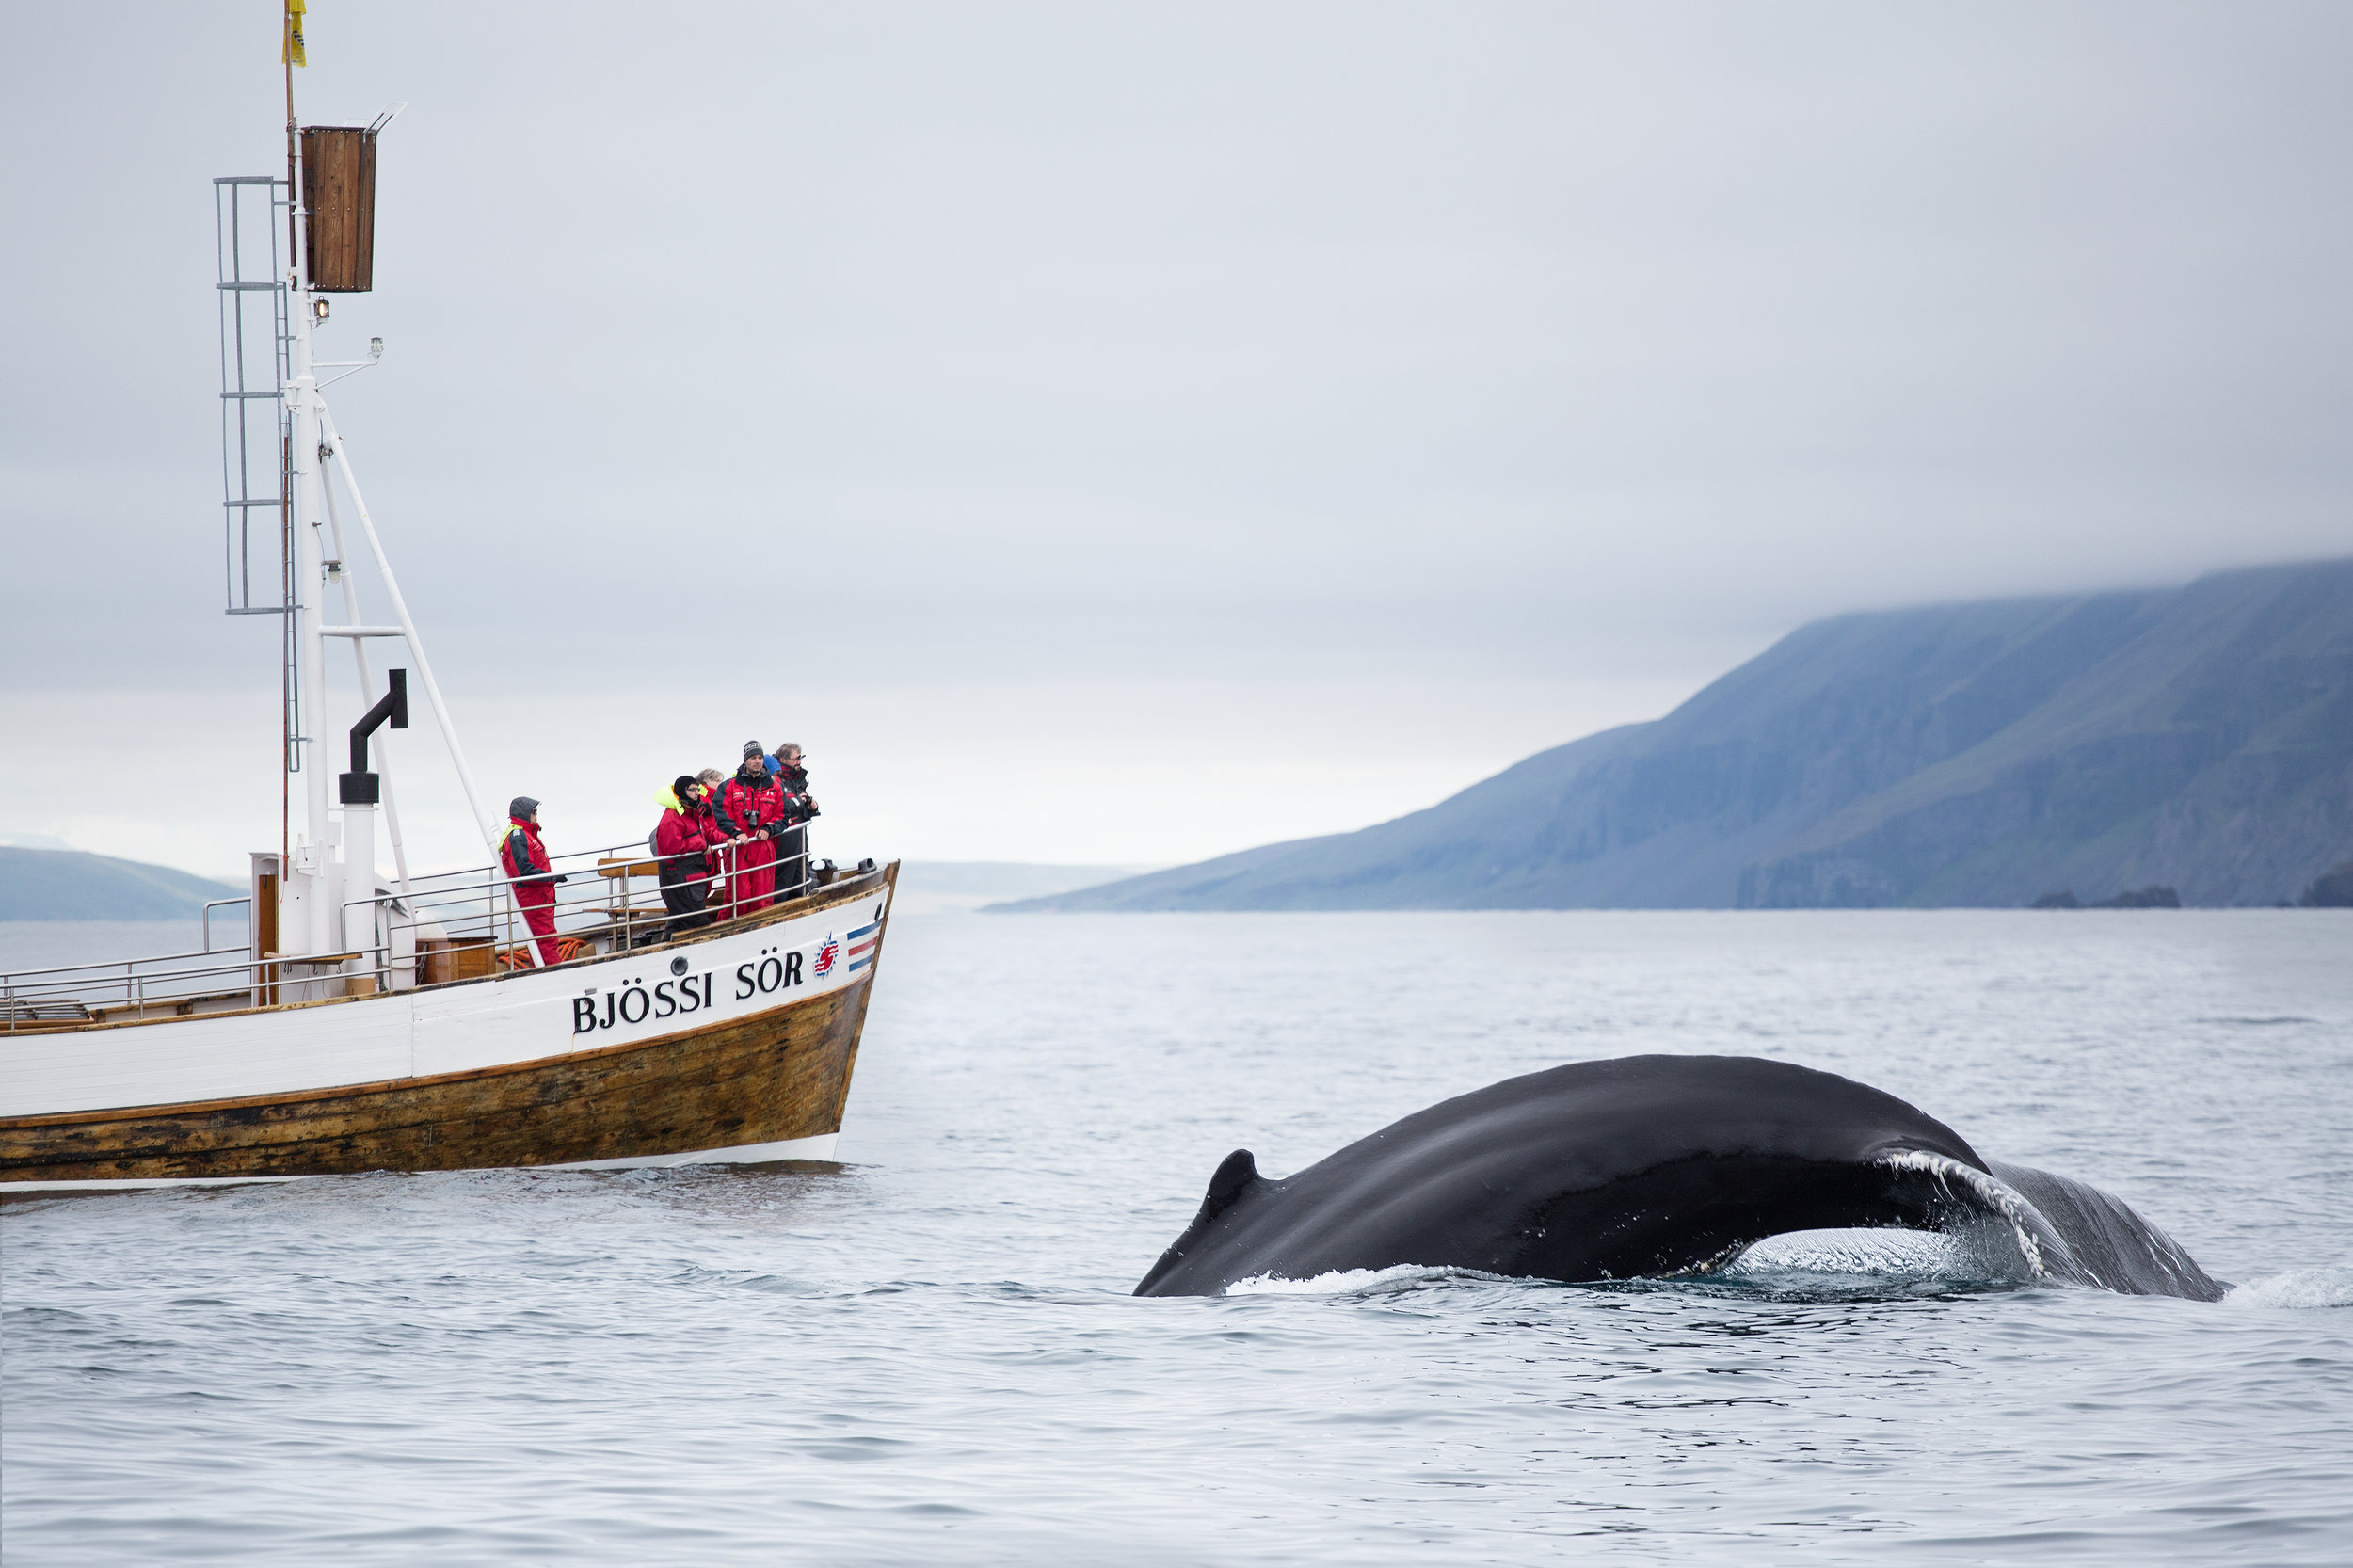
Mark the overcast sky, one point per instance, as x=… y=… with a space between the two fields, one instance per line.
x=1129 y=434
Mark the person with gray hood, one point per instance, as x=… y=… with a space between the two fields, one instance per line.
x=525 y=859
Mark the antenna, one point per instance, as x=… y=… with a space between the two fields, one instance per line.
x=391 y=112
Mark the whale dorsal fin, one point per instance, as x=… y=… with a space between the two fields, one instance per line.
x=1235 y=1175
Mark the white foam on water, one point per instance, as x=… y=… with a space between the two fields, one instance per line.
x=2299 y=1289
x=1338 y=1282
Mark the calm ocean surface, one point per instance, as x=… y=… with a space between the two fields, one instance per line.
x=928 y=1354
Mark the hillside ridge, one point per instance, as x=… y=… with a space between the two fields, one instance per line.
x=71 y=885
x=1969 y=754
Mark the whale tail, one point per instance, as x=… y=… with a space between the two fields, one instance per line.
x=1236 y=1176
x=1645 y=1167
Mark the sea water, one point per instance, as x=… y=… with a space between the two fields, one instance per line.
x=928 y=1354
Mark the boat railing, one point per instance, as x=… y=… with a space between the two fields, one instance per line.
x=443 y=926
x=75 y=993
x=471 y=922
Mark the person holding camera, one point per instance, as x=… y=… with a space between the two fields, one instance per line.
x=792 y=772
x=749 y=809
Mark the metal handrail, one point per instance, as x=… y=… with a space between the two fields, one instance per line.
x=114 y=963
x=217 y=904
x=19 y=1003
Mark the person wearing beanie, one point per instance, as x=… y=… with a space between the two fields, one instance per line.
x=525 y=860
x=683 y=845
x=749 y=810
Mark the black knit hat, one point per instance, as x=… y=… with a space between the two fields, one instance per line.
x=752 y=748
x=683 y=783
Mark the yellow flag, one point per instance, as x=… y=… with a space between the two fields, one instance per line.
x=292 y=51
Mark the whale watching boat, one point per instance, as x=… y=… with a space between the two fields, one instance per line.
x=394 y=1020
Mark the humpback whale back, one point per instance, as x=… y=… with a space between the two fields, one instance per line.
x=1643 y=1166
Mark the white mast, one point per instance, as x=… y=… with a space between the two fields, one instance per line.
x=312 y=882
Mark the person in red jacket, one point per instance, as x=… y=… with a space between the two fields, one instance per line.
x=749 y=809
x=525 y=859
x=682 y=845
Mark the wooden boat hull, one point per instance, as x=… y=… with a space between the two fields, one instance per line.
x=763 y=1082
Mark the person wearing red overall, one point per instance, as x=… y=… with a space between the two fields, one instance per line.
x=525 y=859
x=749 y=810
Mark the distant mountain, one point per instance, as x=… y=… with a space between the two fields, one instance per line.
x=68 y=885
x=2199 y=738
